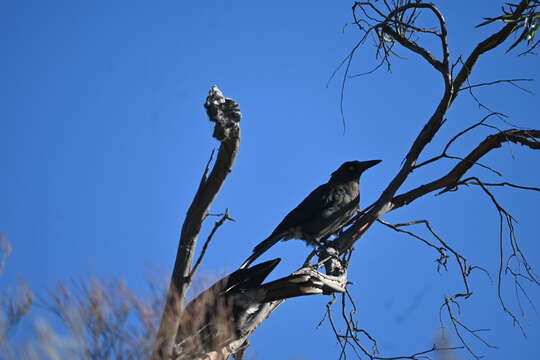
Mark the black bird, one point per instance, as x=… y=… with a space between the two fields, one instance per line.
x=323 y=212
x=224 y=311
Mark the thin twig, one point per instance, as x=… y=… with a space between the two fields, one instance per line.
x=444 y=154
x=442 y=260
x=508 y=81
x=217 y=225
x=473 y=181
x=455 y=324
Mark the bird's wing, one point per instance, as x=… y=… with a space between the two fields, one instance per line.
x=335 y=200
x=322 y=201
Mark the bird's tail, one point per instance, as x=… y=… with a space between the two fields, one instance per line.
x=261 y=249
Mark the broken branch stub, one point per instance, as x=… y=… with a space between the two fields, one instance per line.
x=223 y=112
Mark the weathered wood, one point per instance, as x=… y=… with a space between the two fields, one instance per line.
x=226 y=115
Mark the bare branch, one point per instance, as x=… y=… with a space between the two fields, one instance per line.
x=443 y=257
x=352 y=332
x=509 y=222
x=414 y=47
x=460 y=259
x=516 y=251
x=226 y=115
x=509 y=81
x=217 y=225
x=474 y=181
x=457 y=325
x=524 y=137
x=444 y=153
x=393 y=25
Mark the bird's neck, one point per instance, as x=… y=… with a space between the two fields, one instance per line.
x=342 y=180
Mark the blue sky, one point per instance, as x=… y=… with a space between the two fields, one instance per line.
x=104 y=139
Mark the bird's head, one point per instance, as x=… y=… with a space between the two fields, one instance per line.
x=351 y=170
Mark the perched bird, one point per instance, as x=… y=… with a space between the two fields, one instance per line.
x=323 y=212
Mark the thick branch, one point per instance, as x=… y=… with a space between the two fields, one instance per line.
x=218 y=322
x=381 y=207
x=415 y=48
x=225 y=113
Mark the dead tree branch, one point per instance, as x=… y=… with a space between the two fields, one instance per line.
x=221 y=318
x=352 y=335
x=226 y=115
x=443 y=257
x=474 y=181
x=448 y=182
x=444 y=153
x=458 y=327
x=509 y=81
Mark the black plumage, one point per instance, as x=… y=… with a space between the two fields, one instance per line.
x=321 y=213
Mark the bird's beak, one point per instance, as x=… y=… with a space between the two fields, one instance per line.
x=368 y=164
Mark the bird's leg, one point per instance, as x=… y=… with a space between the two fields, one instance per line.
x=320 y=246
x=331 y=261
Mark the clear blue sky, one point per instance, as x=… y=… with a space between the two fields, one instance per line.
x=103 y=140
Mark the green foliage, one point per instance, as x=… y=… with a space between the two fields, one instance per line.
x=526 y=24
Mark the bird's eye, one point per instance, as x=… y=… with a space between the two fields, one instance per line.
x=351 y=167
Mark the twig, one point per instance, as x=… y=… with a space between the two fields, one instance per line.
x=473 y=181
x=460 y=259
x=444 y=154
x=217 y=225
x=455 y=324
x=509 y=81
x=443 y=258
x=350 y=336
x=509 y=221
